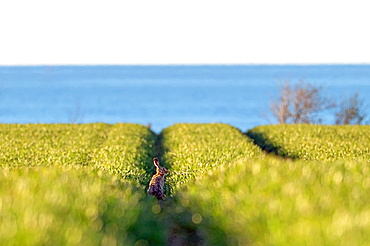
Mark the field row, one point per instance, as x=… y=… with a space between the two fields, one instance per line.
x=85 y=184
x=121 y=149
x=190 y=150
x=250 y=198
x=270 y=201
x=72 y=184
x=315 y=142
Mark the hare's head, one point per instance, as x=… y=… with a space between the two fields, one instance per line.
x=161 y=170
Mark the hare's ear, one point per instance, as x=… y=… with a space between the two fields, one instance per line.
x=156 y=162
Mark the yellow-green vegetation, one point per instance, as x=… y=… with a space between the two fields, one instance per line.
x=72 y=184
x=192 y=149
x=315 y=142
x=275 y=202
x=267 y=200
x=85 y=185
x=122 y=149
x=70 y=205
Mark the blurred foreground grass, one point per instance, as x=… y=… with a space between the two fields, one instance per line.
x=270 y=201
x=71 y=205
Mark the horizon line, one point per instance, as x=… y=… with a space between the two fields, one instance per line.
x=181 y=64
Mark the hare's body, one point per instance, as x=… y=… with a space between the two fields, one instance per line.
x=157 y=182
x=156 y=186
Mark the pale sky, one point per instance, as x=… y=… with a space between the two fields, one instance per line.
x=64 y=32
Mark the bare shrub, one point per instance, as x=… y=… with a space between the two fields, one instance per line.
x=351 y=111
x=299 y=103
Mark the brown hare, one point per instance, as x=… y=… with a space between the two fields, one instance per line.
x=157 y=182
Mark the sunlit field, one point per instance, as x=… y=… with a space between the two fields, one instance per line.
x=71 y=205
x=85 y=184
x=72 y=184
x=275 y=202
x=193 y=149
x=315 y=142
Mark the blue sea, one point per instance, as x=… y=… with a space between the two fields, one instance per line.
x=164 y=95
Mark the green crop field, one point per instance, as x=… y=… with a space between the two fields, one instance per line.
x=65 y=206
x=275 y=202
x=315 y=142
x=122 y=149
x=86 y=184
x=192 y=149
x=72 y=184
x=269 y=200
